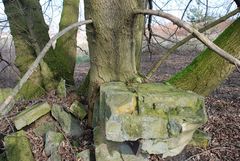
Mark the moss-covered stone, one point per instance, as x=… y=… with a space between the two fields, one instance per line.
x=30 y=114
x=164 y=117
x=112 y=151
x=61 y=89
x=160 y=112
x=52 y=142
x=200 y=139
x=70 y=125
x=44 y=128
x=172 y=145
x=18 y=147
x=84 y=155
x=78 y=110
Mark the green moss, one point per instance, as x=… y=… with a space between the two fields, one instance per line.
x=200 y=139
x=4 y=92
x=18 y=147
x=32 y=88
x=66 y=45
x=132 y=125
x=30 y=35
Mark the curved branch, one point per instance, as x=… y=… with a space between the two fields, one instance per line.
x=195 y=32
x=5 y=108
x=185 y=40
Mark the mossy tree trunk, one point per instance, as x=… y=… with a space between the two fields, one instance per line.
x=66 y=47
x=30 y=34
x=114 y=41
x=208 y=70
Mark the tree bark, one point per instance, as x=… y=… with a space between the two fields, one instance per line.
x=66 y=47
x=208 y=70
x=114 y=41
x=30 y=34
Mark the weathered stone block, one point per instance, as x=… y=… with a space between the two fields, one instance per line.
x=134 y=127
x=78 y=110
x=153 y=111
x=55 y=157
x=31 y=114
x=164 y=117
x=115 y=98
x=84 y=155
x=61 y=89
x=169 y=102
x=52 y=142
x=18 y=147
x=70 y=125
x=200 y=139
x=171 y=146
x=109 y=151
x=41 y=130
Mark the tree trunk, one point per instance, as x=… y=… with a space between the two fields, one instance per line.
x=30 y=34
x=208 y=70
x=114 y=41
x=66 y=47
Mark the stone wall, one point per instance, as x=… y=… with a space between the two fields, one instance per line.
x=159 y=118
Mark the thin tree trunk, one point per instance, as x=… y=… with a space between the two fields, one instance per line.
x=114 y=41
x=66 y=47
x=208 y=70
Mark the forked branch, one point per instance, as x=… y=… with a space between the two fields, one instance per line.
x=5 y=106
x=193 y=31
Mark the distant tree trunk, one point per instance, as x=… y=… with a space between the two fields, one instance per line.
x=30 y=34
x=66 y=47
x=208 y=70
x=114 y=41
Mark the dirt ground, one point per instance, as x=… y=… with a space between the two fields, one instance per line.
x=223 y=108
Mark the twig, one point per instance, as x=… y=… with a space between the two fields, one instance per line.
x=207 y=151
x=182 y=42
x=195 y=32
x=5 y=108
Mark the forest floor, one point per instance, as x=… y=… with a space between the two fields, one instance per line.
x=223 y=108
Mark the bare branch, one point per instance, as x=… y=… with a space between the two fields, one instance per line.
x=5 y=108
x=194 y=32
x=185 y=40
